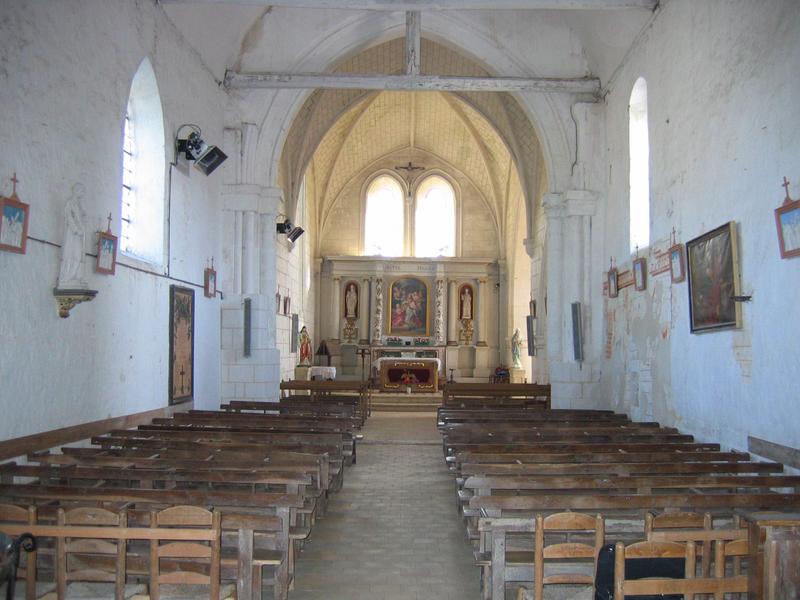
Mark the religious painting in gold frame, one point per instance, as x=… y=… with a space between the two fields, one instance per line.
x=181 y=344
x=408 y=307
x=713 y=268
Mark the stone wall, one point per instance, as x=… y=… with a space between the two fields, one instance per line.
x=724 y=130
x=67 y=70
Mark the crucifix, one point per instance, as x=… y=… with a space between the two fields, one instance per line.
x=784 y=185
x=16 y=181
x=108 y=228
x=409 y=169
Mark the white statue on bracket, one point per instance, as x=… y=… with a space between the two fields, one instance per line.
x=72 y=273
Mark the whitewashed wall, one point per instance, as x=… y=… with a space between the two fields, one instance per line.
x=66 y=72
x=724 y=129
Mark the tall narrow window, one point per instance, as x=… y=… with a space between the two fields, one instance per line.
x=384 y=224
x=143 y=170
x=639 y=167
x=435 y=218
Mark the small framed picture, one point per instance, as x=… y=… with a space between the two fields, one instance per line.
x=106 y=253
x=677 y=263
x=13 y=224
x=787 y=219
x=287 y=305
x=210 y=282
x=640 y=274
x=278 y=303
x=613 y=289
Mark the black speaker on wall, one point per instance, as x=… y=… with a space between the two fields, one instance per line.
x=577 y=332
x=531 y=323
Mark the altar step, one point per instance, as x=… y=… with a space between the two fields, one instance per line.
x=382 y=402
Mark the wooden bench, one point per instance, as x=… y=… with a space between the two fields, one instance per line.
x=496 y=394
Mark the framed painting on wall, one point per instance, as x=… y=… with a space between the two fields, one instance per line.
x=640 y=274
x=677 y=263
x=408 y=307
x=713 y=262
x=209 y=282
x=181 y=344
x=106 y=253
x=613 y=287
x=787 y=219
x=13 y=224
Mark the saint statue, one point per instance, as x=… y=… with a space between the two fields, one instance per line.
x=350 y=301
x=516 y=349
x=466 y=304
x=71 y=275
x=305 y=348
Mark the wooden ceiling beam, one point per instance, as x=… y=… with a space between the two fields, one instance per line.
x=419 y=5
x=410 y=83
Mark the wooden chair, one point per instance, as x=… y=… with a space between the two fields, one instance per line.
x=11 y=513
x=568 y=558
x=191 y=562
x=683 y=521
x=689 y=586
x=82 y=559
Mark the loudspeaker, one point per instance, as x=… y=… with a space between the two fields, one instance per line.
x=531 y=323
x=577 y=332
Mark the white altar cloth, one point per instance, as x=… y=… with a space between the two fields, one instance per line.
x=323 y=373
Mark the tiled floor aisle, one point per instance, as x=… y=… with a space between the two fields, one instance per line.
x=393 y=531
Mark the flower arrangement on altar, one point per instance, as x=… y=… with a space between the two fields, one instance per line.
x=408 y=378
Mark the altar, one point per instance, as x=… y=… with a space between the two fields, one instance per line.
x=398 y=373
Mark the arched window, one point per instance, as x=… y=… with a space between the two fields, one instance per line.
x=435 y=218
x=143 y=170
x=639 y=167
x=384 y=224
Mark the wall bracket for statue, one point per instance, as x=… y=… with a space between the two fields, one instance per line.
x=69 y=299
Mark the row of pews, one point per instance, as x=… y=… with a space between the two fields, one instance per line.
x=562 y=500
x=223 y=500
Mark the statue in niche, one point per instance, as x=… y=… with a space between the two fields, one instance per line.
x=466 y=302
x=351 y=302
x=305 y=348
x=516 y=349
x=71 y=274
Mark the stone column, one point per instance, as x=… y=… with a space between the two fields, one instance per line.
x=377 y=323
x=482 y=313
x=452 y=313
x=363 y=312
x=336 y=309
x=248 y=263
x=554 y=212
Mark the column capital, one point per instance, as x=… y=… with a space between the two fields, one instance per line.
x=530 y=246
x=553 y=205
x=251 y=197
x=579 y=203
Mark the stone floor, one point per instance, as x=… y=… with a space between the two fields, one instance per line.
x=392 y=532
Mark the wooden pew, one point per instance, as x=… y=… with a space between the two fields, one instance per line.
x=330 y=391
x=496 y=394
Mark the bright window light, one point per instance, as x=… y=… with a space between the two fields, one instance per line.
x=384 y=225
x=639 y=167
x=435 y=218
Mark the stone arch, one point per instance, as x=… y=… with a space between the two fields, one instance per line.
x=542 y=113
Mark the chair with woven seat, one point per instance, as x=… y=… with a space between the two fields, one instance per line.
x=183 y=565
